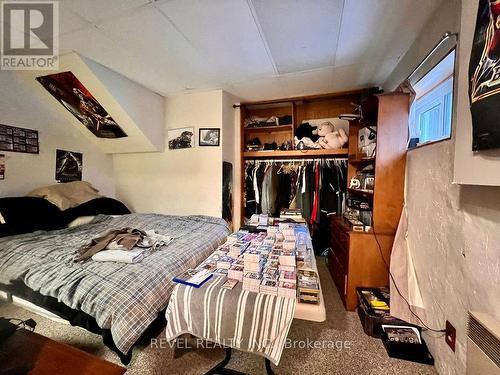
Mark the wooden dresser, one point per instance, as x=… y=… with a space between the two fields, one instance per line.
x=355 y=258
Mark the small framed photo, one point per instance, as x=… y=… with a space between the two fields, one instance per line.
x=209 y=137
x=180 y=138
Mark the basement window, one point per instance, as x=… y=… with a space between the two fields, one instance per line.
x=431 y=111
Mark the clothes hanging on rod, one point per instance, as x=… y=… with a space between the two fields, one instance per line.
x=317 y=187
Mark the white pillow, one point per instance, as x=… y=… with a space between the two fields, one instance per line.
x=81 y=221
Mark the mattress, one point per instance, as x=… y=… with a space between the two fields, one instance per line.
x=122 y=298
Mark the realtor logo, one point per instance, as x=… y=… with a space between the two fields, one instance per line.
x=29 y=35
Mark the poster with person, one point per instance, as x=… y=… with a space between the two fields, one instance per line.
x=71 y=93
x=69 y=166
x=484 y=75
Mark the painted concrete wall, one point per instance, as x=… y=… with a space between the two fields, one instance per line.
x=453 y=229
x=177 y=182
x=21 y=106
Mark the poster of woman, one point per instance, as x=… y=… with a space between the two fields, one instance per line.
x=484 y=75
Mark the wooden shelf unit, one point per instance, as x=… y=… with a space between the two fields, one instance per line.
x=300 y=108
x=356 y=259
x=343 y=152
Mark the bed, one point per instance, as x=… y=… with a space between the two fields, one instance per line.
x=119 y=301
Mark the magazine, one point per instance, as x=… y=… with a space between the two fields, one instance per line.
x=194 y=278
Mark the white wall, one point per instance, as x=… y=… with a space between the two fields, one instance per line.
x=453 y=230
x=21 y=106
x=177 y=182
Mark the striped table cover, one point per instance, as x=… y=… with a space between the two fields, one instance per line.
x=248 y=321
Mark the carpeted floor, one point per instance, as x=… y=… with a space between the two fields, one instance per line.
x=365 y=355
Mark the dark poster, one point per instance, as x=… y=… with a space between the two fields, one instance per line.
x=484 y=75
x=227 y=192
x=69 y=166
x=71 y=93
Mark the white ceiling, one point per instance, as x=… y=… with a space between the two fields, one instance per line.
x=256 y=49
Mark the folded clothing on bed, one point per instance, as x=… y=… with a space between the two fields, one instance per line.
x=123 y=240
x=120 y=256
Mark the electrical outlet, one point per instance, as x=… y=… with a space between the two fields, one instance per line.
x=450 y=335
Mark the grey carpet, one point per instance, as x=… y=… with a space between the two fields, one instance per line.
x=366 y=355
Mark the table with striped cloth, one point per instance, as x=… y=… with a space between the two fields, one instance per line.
x=243 y=320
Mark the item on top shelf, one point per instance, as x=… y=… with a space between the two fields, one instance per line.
x=350 y=116
x=331 y=138
x=194 y=278
x=257 y=122
x=367 y=142
x=285 y=120
x=285 y=146
x=273 y=146
x=305 y=130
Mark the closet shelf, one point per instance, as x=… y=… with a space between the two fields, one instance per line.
x=362 y=161
x=343 y=152
x=365 y=193
x=269 y=129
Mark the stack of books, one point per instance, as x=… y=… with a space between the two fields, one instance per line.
x=235 y=272
x=269 y=287
x=225 y=262
x=251 y=281
x=287 y=290
x=308 y=286
x=237 y=248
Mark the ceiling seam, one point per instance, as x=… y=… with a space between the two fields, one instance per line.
x=261 y=34
x=338 y=35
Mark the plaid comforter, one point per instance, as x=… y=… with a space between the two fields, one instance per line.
x=124 y=298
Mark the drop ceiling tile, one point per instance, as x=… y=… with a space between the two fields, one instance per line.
x=225 y=33
x=70 y=21
x=301 y=35
x=164 y=53
x=99 y=10
x=382 y=29
x=92 y=43
x=261 y=89
x=306 y=83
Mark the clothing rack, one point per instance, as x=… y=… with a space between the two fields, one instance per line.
x=300 y=160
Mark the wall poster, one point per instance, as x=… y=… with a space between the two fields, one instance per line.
x=484 y=77
x=71 y=93
x=18 y=139
x=69 y=166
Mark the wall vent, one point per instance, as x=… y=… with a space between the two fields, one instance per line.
x=483 y=345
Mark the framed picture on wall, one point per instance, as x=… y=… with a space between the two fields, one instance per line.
x=180 y=138
x=209 y=137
